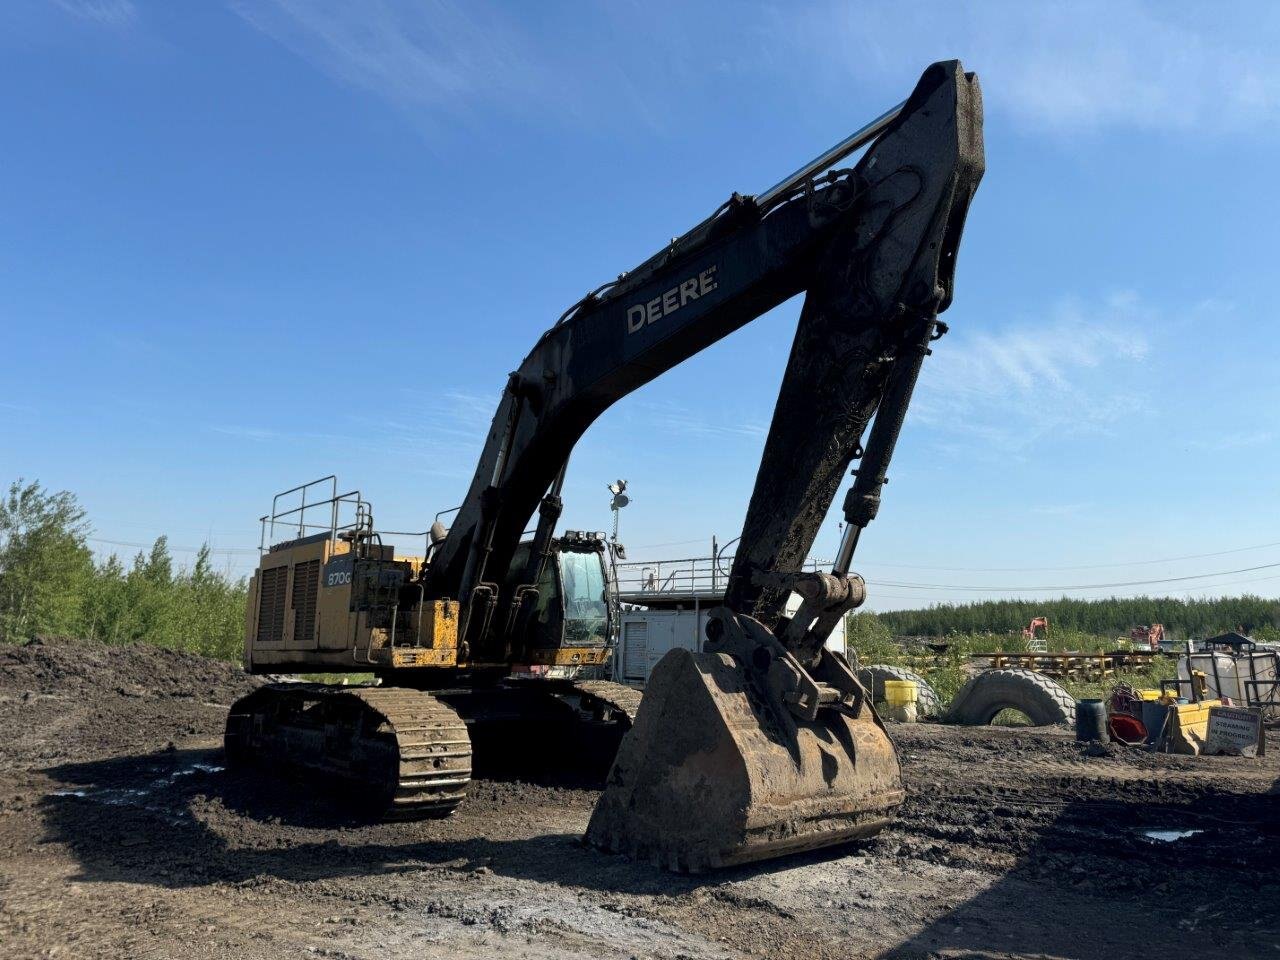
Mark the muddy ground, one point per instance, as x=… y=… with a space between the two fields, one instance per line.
x=122 y=836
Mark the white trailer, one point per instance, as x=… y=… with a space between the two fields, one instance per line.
x=664 y=606
x=648 y=633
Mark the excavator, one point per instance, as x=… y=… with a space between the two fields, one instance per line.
x=761 y=744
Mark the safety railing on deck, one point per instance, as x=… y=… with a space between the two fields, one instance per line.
x=317 y=507
x=687 y=576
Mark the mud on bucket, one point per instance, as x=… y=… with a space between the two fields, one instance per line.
x=713 y=774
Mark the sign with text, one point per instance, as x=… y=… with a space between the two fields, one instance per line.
x=1236 y=731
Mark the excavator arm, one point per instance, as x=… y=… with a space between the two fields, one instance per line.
x=874 y=249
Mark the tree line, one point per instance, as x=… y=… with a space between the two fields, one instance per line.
x=1182 y=618
x=51 y=584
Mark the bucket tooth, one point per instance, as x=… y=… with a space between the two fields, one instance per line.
x=714 y=773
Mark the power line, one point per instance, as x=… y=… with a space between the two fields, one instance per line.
x=877 y=594
x=1086 y=566
x=671 y=543
x=870 y=564
x=1075 y=586
x=147 y=546
x=1233 y=583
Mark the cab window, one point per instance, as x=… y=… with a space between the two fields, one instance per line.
x=586 y=606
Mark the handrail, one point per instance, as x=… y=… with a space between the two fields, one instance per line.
x=332 y=480
x=682 y=576
x=363 y=511
x=362 y=521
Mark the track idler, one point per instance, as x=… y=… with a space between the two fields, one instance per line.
x=741 y=753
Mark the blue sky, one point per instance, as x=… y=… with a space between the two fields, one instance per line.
x=249 y=243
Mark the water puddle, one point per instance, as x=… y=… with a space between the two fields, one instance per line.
x=1169 y=836
x=135 y=796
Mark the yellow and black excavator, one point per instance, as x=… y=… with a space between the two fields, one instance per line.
x=762 y=743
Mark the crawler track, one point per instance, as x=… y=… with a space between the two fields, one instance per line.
x=402 y=753
x=605 y=697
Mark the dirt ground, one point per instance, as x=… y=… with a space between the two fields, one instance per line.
x=121 y=836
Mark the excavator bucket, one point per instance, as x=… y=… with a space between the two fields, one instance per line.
x=713 y=774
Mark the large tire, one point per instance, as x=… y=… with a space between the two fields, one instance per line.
x=1044 y=701
x=928 y=704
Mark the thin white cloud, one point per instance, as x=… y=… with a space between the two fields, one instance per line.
x=442 y=438
x=1070 y=66
x=437 y=53
x=244 y=432
x=1060 y=509
x=668 y=417
x=1236 y=441
x=1072 y=372
x=108 y=12
x=472 y=408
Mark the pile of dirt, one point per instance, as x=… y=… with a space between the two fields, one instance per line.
x=64 y=666
x=66 y=699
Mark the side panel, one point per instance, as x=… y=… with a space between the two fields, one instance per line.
x=333 y=605
x=634 y=662
x=300 y=612
x=666 y=633
x=273 y=590
x=648 y=635
x=250 y=619
x=283 y=609
x=306 y=584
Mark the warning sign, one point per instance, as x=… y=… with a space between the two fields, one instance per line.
x=1236 y=731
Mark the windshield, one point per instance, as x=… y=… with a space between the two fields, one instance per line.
x=583 y=585
x=586 y=607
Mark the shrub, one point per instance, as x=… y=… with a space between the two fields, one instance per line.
x=50 y=584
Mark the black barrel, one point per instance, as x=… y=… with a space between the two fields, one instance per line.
x=1154 y=715
x=1091 y=721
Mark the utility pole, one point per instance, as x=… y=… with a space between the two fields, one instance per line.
x=616 y=550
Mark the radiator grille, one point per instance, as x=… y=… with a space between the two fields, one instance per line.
x=635 y=650
x=306 y=584
x=275 y=581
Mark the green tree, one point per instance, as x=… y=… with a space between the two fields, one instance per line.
x=1111 y=618
x=157 y=568
x=106 y=606
x=45 y=564
x=49 y=583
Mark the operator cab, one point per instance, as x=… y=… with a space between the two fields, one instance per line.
x=572 y=618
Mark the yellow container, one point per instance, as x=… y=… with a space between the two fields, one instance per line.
x=1189 y=726
x=898 y=693
x=1152 y=695
x=1194 y=711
